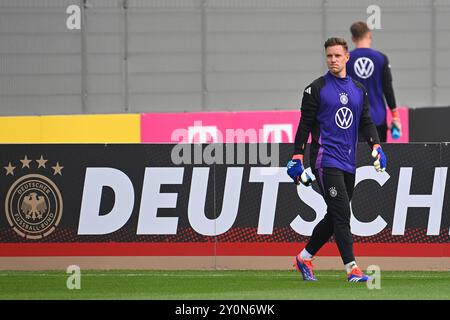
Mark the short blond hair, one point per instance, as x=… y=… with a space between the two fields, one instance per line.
x=336 y=42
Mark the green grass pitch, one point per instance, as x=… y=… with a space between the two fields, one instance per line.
x=218 y=284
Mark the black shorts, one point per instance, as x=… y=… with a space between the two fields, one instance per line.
x=336 y=187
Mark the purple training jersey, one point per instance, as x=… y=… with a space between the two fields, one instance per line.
x=372 y=69
x=333 y=110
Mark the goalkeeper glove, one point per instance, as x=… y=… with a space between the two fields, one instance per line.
x=395 y=126
x=380 y=158
x=297 y=172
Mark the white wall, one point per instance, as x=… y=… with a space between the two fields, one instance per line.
x=193 y=55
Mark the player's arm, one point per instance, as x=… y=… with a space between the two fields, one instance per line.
x=366 y=125
x=388 y=91
x=370 y=133
x=386 y=81
x=310 y=105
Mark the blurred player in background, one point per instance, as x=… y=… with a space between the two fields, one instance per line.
x=372 y=69
x=334 y=108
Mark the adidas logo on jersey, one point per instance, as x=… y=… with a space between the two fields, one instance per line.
x=308 y=90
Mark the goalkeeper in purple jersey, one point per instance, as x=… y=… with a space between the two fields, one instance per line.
x=334 y=109
x=372 y=69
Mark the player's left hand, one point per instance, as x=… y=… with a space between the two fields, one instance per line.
x=380 y=158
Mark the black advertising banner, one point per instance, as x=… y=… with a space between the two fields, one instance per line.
x=217 y=199
x=429 y=124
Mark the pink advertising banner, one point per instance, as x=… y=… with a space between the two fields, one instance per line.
x=278 y=126
x=230 y=127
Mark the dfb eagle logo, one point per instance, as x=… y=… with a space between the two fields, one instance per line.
x=33 y=206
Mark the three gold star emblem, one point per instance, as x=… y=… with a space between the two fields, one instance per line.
x=57 y=169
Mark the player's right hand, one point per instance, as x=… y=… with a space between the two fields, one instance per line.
x=396 y=125
x=297 y=172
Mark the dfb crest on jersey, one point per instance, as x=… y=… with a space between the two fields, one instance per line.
x=343 y=97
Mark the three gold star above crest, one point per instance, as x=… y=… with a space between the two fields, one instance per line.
x=41 y=164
